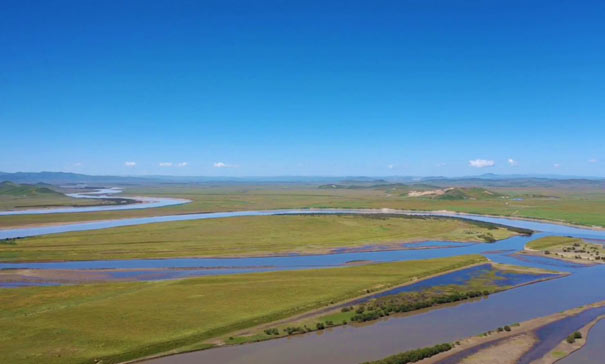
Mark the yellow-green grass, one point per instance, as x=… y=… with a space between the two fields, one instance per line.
x=244 y=236
x=121 y=321
x=584 y=207
x=550 y=242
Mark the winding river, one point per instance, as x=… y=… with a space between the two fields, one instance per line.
x=136 y=202
x=358 y=343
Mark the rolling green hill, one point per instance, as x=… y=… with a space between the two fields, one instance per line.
x=471 y=193
x=21 y=196
x=8 y=188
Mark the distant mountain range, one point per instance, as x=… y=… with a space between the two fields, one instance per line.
x=485 y=180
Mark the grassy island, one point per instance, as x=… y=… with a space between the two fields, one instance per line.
x=570 y=249
x=249 y=236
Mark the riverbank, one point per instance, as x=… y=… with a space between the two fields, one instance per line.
x=343 y=313
x=471 y=349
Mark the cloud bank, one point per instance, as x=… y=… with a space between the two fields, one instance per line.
x=481 y=163
x=170 y=164
x=224 y=165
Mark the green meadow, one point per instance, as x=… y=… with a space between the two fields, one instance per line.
x=551 y=242
x=115 y=322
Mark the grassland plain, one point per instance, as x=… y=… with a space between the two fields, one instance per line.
x=121 y=321
x=246 y=236
x=583 y=207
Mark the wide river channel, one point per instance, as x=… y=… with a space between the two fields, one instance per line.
x=358 y=343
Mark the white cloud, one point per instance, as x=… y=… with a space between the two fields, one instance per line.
x=130 y=164
x=481 y=163
x=556 y=165
x=224 y=165
x=78 y=164
x=182 y=164
x=593 y=160
x=441 y=164
x=165 y=164
x=391 y=166
x=512 y=162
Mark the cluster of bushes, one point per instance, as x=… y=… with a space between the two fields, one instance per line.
x=488 y=237
x=505 y=328
x=294 y=330
x=375 y=312
x=413 y=356
x=9 y=241
x=573 y=337
x=272 y=331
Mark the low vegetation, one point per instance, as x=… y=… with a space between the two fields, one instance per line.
x=573 y=337
x=410 y=302
x=415 y=355
x=249 y=236
x=121 y=321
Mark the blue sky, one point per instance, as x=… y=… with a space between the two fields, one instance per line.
x=241 y=88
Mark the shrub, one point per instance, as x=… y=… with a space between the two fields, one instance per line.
x=577 y=335
x=294 y=330
x=506 y=328
x=413 y=356
x=272 y=331
x=320 y=326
